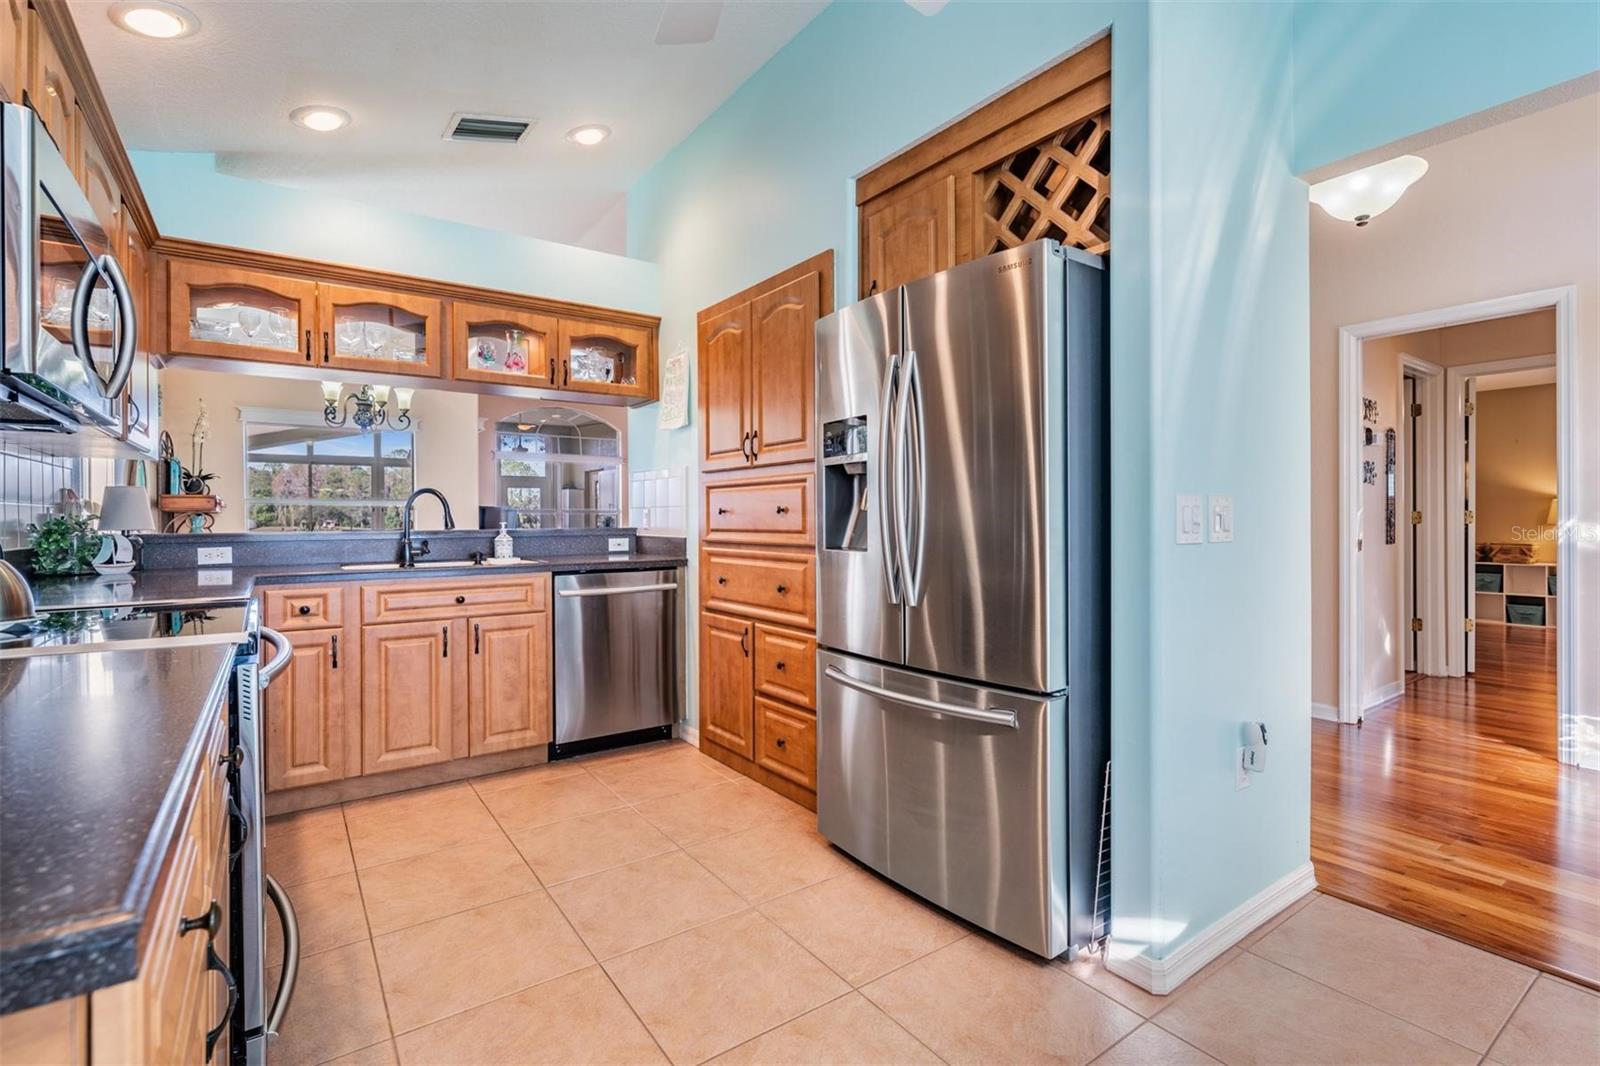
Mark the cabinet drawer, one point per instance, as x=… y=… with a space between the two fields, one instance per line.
x=786 y=742
x=769 y=510
x=775 y=586
x=406 y=601
x=786 y=665
x=303 y=607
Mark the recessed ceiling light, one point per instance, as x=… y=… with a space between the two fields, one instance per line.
x=588 y=135
x=154 y=18
x=320 y=117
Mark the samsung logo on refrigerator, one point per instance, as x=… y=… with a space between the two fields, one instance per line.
x=1018 y=265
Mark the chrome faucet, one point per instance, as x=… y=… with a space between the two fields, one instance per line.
x=409 y=551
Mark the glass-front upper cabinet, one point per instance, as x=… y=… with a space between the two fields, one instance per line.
x=239 y=314
x=602 y=357
x=370 y=329
x=502 y=345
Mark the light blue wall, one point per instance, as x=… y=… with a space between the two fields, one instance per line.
x=1209 y=327
x=1373 y=72
x=190 y=199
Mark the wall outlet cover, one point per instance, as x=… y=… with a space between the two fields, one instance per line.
x=617 y=544
x=215 y=577
x=214 y=557
x=1241 y=776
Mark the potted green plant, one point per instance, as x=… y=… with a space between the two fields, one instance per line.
x=64 y=544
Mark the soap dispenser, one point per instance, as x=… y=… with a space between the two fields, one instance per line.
x=502 y=543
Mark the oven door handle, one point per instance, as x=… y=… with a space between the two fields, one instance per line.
x=291 y=954
x=282 y=650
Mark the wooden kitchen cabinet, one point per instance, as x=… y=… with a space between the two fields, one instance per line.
x=766 y=508
x=509 y=693
x=52 y=95
x=141 y=405
x=312 y=710
x=413 y=694
x=725 y=389
x=101 y=189
x=14 y=49
x=502 y=345
x=240 y=314
x=774 y=586
x=910 y=236
x=369 y=329
x=726 y=683
x=786 y=742
x=605 y=357
x=786 y=665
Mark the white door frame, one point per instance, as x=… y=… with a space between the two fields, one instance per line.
x=1430 y=498
x=1458 y=605
x=1564 y=300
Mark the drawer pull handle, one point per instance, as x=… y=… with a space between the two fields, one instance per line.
x=722 y=579
x=743 y=635
x=782 y=509
x=210 y=922
x=782 y=743
x=461 y=599
x=334 y=642
x=214 y=962
x=446 y=631
x=477 y=639
x=308 y=346
x=780 y=664
x=783 y=590
x=304 y=608
x=722 y=510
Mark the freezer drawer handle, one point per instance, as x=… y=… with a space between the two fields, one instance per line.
x=624 y=590
x=989 y=715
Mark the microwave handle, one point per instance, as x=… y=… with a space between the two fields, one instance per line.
x=127 y=337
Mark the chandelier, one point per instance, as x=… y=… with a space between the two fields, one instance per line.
x=366 y=407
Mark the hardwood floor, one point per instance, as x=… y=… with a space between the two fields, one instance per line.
x=1447 y=809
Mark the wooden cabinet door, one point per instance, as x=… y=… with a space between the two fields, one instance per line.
x=502 y=344
x=413 y=705
x=910 y=237
x=606 y=357
x=782 y=328
x=309 y=709
x=377 y=330
x=508 y=705
x=104 y=194
x=727 y=713
x=13 y=49
x=240 y=314
x=51 y=93
x=725 y=389
x=141 y=415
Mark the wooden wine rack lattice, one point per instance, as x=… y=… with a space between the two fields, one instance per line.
x=1059 y=188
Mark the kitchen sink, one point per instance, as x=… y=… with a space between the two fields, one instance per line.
x=434 y=564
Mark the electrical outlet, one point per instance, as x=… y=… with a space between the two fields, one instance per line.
x=215 y=577
x=1241 y=776
x=617 y=544
x=214 y=557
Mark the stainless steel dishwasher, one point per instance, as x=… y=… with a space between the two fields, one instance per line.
x=618 y=658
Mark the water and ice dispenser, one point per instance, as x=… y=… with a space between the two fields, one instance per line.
x=844 y=484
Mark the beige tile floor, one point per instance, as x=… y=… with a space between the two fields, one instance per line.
x=651 y=906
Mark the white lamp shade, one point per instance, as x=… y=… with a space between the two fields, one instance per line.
x=1364 y=194
x=380 y=393
x=126 y=507
x=402 y=398
x=330 y=391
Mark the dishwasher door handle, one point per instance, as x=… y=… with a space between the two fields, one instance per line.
x=621 y=590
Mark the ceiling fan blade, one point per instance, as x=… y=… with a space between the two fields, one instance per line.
x=688 y=21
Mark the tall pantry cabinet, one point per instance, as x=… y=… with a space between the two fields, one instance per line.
x=757 y=622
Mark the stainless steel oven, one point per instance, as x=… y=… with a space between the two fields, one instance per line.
x=70 y=326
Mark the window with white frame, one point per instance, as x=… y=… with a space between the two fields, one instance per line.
x=301 y=474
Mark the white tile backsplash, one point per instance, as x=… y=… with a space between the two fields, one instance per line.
x=658 y=501
x=32 y=485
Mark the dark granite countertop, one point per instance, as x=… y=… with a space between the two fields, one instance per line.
x=95 y=751
x=212 y=584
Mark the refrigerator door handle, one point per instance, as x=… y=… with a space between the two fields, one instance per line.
x=902 y=472
x=887 y=483
x=918 y=465
x=987 y=715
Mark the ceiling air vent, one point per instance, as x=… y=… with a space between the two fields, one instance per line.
x=494 y=129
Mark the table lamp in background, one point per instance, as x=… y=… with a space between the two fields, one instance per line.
x=123 y=509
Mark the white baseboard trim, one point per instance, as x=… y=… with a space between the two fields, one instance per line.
x=1161 y=976
x=1383 y=695
x=689 y=734
x=1326 y=711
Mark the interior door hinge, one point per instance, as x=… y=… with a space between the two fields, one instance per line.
x=1416 y=518
x=1469 y=624
x=1470 y=409
x=1470 y=518
x=1416 y=625
x=1416 y=410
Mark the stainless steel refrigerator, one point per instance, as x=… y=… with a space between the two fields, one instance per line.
x=963 y=592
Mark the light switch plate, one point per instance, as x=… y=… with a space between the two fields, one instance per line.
x=1219 y=524
x=1191 y=519
x=617 y=544
x=214 y=557
x=1241 y=776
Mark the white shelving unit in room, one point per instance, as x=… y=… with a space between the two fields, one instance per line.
x=1520 y=585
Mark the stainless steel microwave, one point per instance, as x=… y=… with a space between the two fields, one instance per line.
x=70 y=328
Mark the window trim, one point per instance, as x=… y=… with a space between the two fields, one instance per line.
x=377 y=464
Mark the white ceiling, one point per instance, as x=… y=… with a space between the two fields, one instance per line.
x=403 y=68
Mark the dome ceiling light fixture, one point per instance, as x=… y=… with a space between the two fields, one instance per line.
x=320 y=117
x=156 y=19
x=588 y=136
x=1362 y=195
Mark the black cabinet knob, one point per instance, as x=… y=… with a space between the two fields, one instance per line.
x=782 y=743
x=721 y=580
x=780 y=664
x=722 y=510
x=782 y=509
x=461 y=599
x=233 y=758
x=305 y=608
x=783 y=590
x=210 y=922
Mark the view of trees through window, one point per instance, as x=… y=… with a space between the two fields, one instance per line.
x=325 y=478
